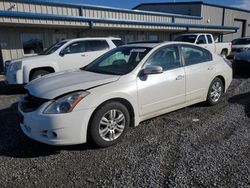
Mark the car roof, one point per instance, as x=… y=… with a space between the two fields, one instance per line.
x=93 y=38
x=153 y=45
x=243 y=38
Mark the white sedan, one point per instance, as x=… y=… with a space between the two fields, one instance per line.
x=122 y=88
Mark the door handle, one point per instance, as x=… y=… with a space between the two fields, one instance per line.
x=179 y=77
x=83 y=55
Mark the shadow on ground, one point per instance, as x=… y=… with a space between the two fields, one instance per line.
x=11 y=89
x=13 y=143
x=242 y=99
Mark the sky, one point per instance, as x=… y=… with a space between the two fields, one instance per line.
x=245 y=4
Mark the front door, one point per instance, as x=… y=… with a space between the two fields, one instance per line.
x=81 y=53
x=161 y=91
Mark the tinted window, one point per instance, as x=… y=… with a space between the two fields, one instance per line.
x=119 y=61
x=76 y=47
x=166 y=57
x=209 y=39
x=53 y=48
x=97 y=45
x=245 y=41
x=193 y=55
x=187 y=38
x=201 y=40
x=118 y=42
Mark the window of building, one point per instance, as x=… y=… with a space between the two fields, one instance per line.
x=32 y=43
x=167 y=57
x=153 y=37
x=194 y=55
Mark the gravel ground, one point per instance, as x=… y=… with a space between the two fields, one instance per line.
x=197 y=146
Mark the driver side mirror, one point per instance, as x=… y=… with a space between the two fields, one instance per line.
x=64 y=52
x=152 y=70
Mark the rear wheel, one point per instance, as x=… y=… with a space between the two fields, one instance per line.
x=215 y=92
x=39 y=74
x=109 y=124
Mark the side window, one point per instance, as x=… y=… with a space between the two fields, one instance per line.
x=97 y=45
x=167 y=57
x=201 y=40
x=194 y=55
x=118 y=42
x=209 y=39
x=76 y=47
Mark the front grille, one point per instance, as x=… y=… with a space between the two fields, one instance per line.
x=31 y=103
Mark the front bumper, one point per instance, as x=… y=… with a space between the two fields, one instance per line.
x=14 y=77
x=56 y=129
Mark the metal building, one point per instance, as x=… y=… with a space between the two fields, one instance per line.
x=39 y=24
x=212 y=14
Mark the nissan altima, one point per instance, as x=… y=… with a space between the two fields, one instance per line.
x=122 y=88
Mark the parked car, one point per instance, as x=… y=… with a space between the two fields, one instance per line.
x=206 y=41
x=239 y=46
x=120 y=89
x=242 y=62
x=65 y=55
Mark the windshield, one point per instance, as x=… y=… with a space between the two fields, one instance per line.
x=53 y=48
x=119 y=61
x=245 y=41
x=186 y=38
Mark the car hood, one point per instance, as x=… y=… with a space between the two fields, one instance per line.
x=56 y=84
x=35 y=58
x=241 y=46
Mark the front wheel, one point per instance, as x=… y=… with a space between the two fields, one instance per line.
x=215 y=92
x=109 y=124
x=38 y=74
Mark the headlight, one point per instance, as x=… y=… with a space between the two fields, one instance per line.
x=65 y=104
x=16 y=66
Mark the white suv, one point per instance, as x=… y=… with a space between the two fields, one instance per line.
x=65 y=55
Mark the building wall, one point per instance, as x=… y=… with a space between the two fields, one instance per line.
x=212 y=15
x=231 y=16
x=10 y=39
x=11 y=43
x=186 y=9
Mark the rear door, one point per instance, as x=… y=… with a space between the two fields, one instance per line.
x=199 y=69
x=157 y=92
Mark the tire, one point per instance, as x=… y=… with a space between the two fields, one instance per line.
x=215 y=92
x=106 y=130
x=38 y=74
x=224 y=53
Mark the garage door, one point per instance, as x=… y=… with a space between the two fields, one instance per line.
x=240 y=32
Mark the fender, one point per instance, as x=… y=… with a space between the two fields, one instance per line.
x=27 y=68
